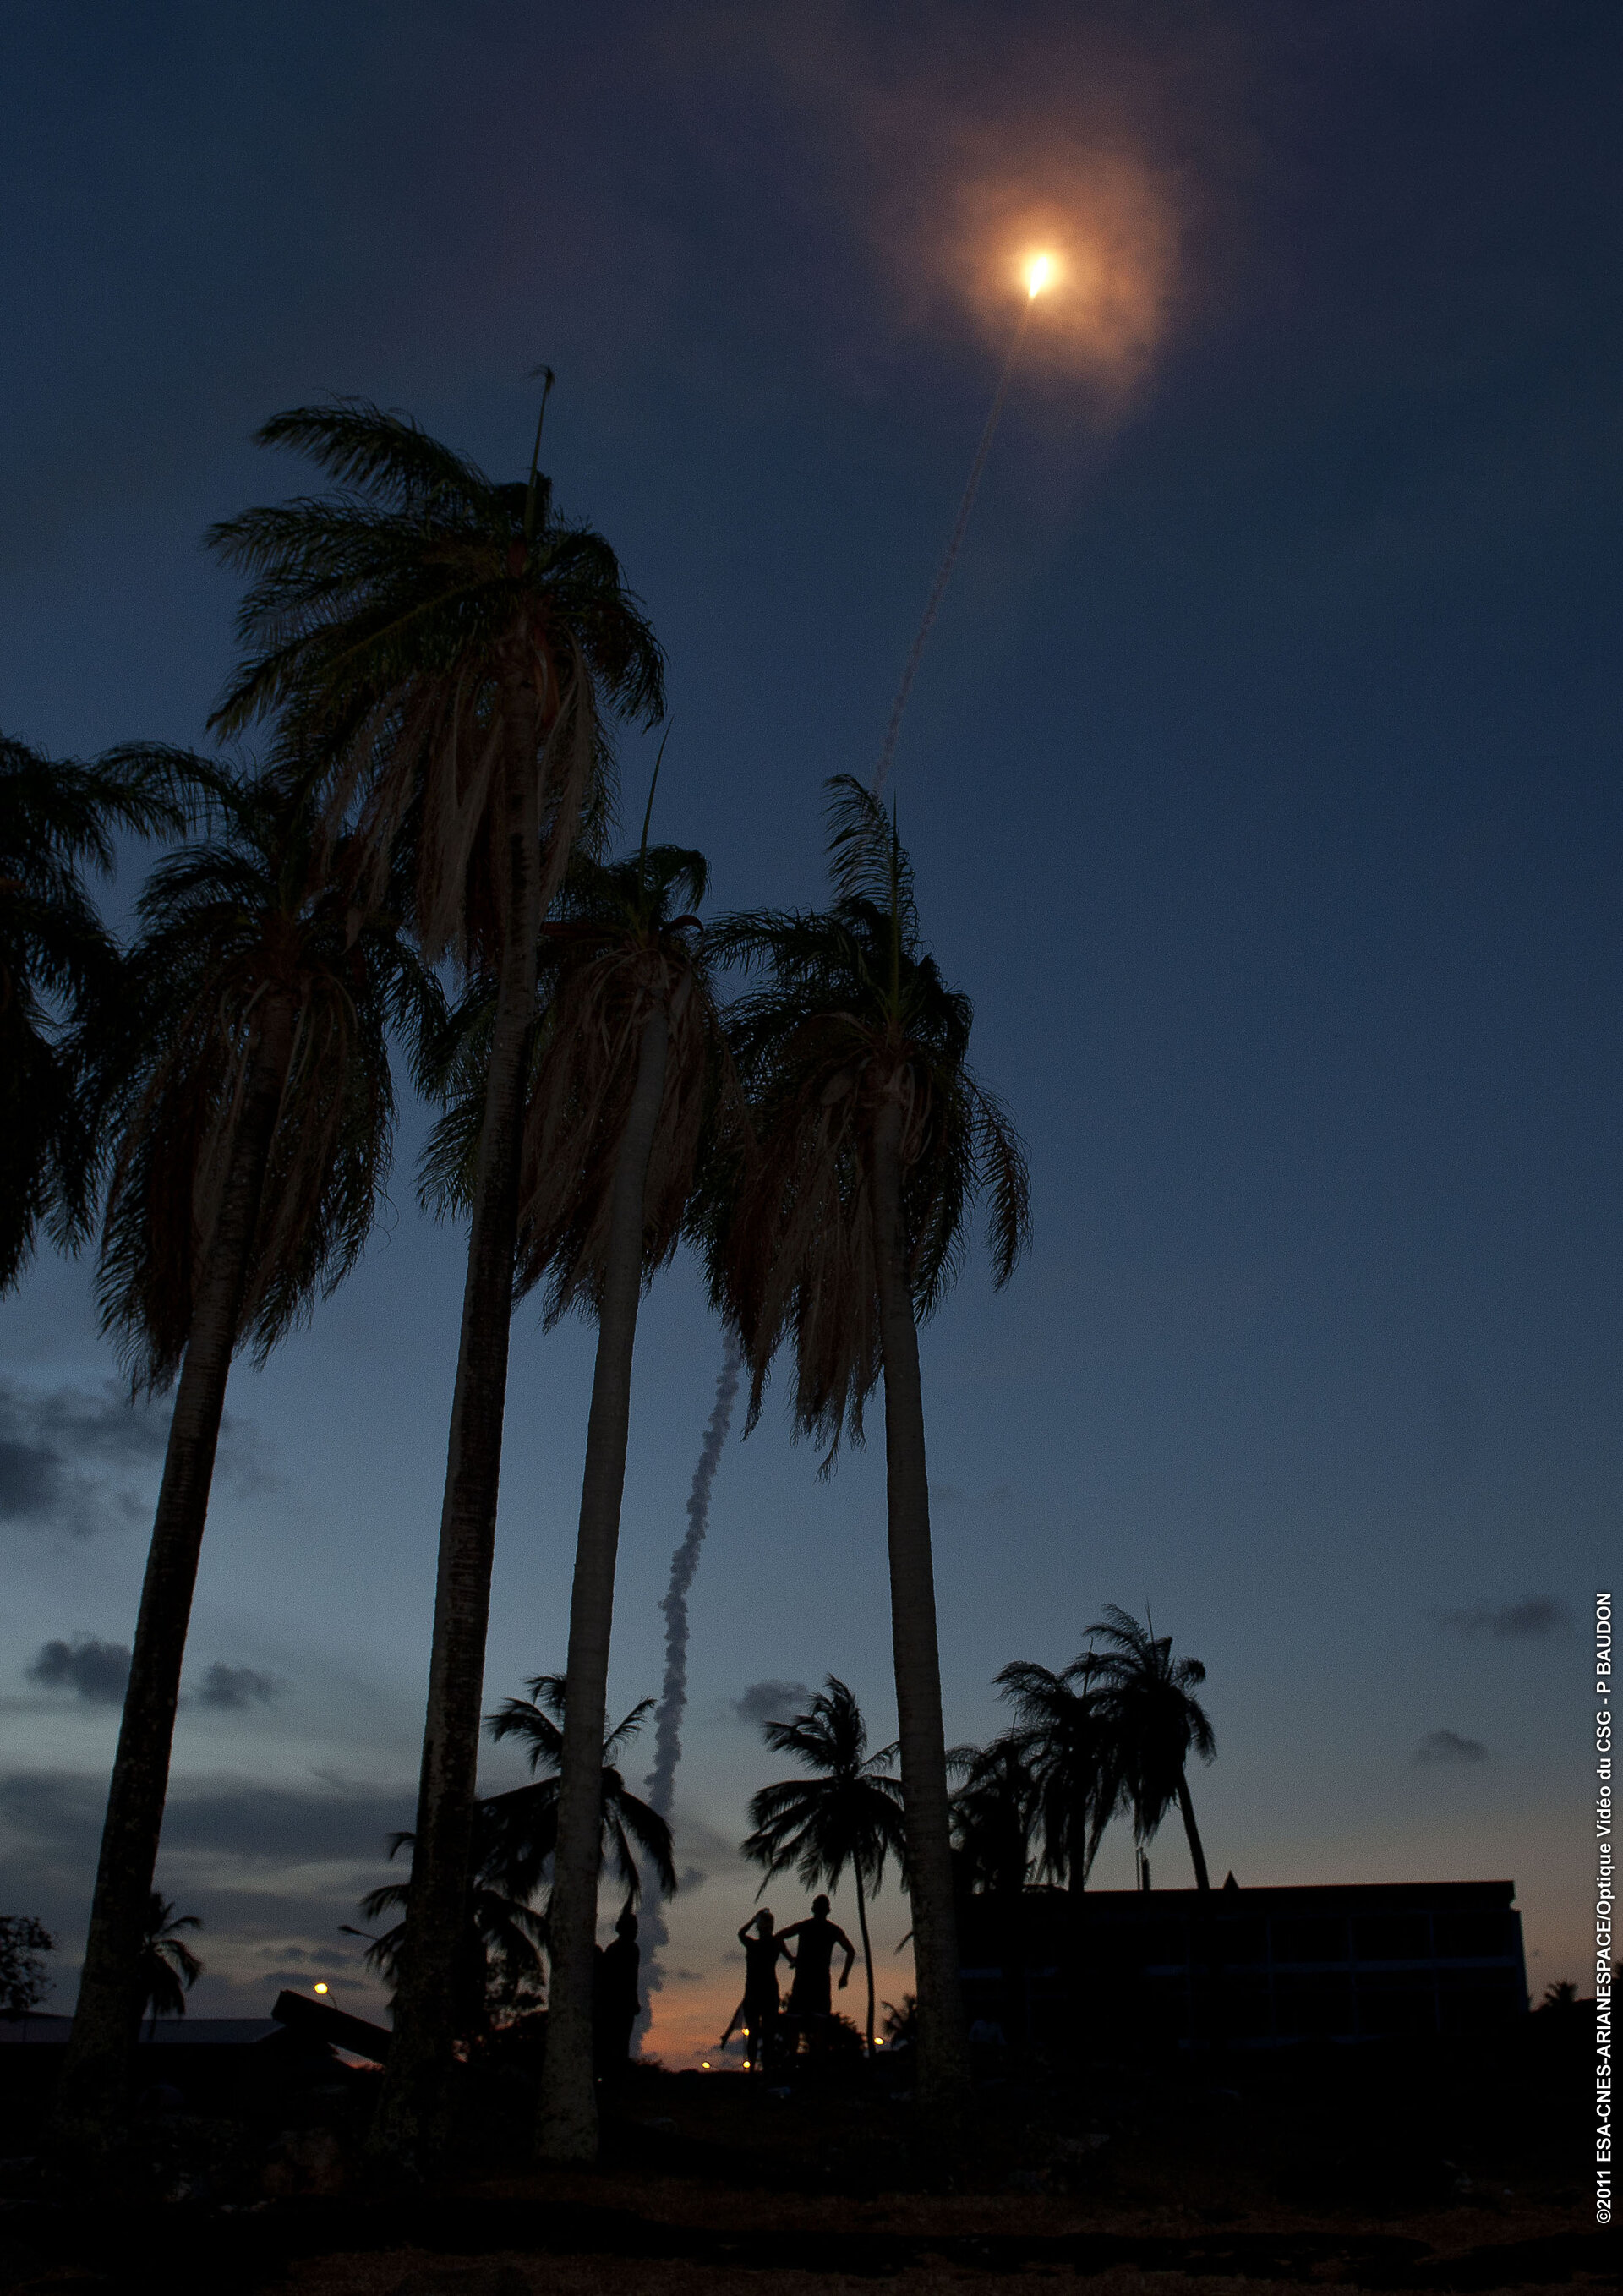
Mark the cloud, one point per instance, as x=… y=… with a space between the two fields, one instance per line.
x=1449 y=1746
x=1536 y=1618
x=59 y=1817
x=769 y=1702
x=946 y=1495
x=83 y=1460
x=94 y=1670
x=272 y=1872
x=228 y=1689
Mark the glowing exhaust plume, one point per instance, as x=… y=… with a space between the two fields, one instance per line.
x=1038 y=275
x=661 y=1780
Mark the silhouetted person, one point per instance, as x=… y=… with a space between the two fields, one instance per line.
x=757 y=2012
x=614 y=1997
x=810 y=2001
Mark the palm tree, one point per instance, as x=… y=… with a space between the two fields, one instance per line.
x=848 y=1812
x=524 y=1821
x=994 y=1814
x=1158 y=1723
x=1066 y=1729
x=502 y=1929
x=996 y=1818
x=57 y=964
x=1067 y=1732
x=841 y=1230
x=245 y=1068
x=515 y=1837
x=632 y=1070
x=169 y=1968
x=446 y=646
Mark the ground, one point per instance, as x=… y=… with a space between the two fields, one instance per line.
x=1455 y=2167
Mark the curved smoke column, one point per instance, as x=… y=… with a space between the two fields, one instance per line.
x=661 y=1780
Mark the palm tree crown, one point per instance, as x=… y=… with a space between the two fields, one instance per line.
x=848 y=1812
x=996 y=1807
x=620 y=942
x=410 y=628
x=1158 y=1722
x=524 y=1821
x=262 y=912
x=853 y=1023
x=58 y=963
x=1067 y=1731
x=169 y=1968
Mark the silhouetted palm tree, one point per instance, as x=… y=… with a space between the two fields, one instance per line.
x=169 y=1968
x=1158 y=1724
x=446 y=645
x=246 y=1071
x=848 y=1812
x=514 y=1837
x=996 y=1818
x=630 y=1065
x=58 y=963
x=501 y=1927
x=524 y=1821
x=996 y=1815
x=874 y=1143
x=1066 y=1732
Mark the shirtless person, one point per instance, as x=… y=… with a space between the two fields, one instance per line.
x=757 y=2012
x=809 y=2001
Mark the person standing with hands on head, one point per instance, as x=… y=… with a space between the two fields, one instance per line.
x=810 y=2004
x=757 y=2012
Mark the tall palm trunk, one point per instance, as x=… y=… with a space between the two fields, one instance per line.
x=867 y=1952
x=943 y=2079
x=93 y=2097
x=567 y=2130
x=1202 y=1880
x=412 y=2111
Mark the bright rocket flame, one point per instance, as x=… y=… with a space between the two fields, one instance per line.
x=1039 y=271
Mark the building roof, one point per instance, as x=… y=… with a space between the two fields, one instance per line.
x=38 y=2031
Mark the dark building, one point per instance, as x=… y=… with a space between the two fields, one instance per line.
x=1253 y=1968
x=212 y=2062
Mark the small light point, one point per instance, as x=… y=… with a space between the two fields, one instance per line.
x=319 y=1988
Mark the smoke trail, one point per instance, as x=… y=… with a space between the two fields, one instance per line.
x=661 y=1780
x=944 y=573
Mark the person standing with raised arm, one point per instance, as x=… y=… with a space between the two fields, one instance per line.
x=810 y=2004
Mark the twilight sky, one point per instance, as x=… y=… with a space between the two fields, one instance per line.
x=1261 y=779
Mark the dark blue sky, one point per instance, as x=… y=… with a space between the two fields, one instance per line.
x=1261 y=778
